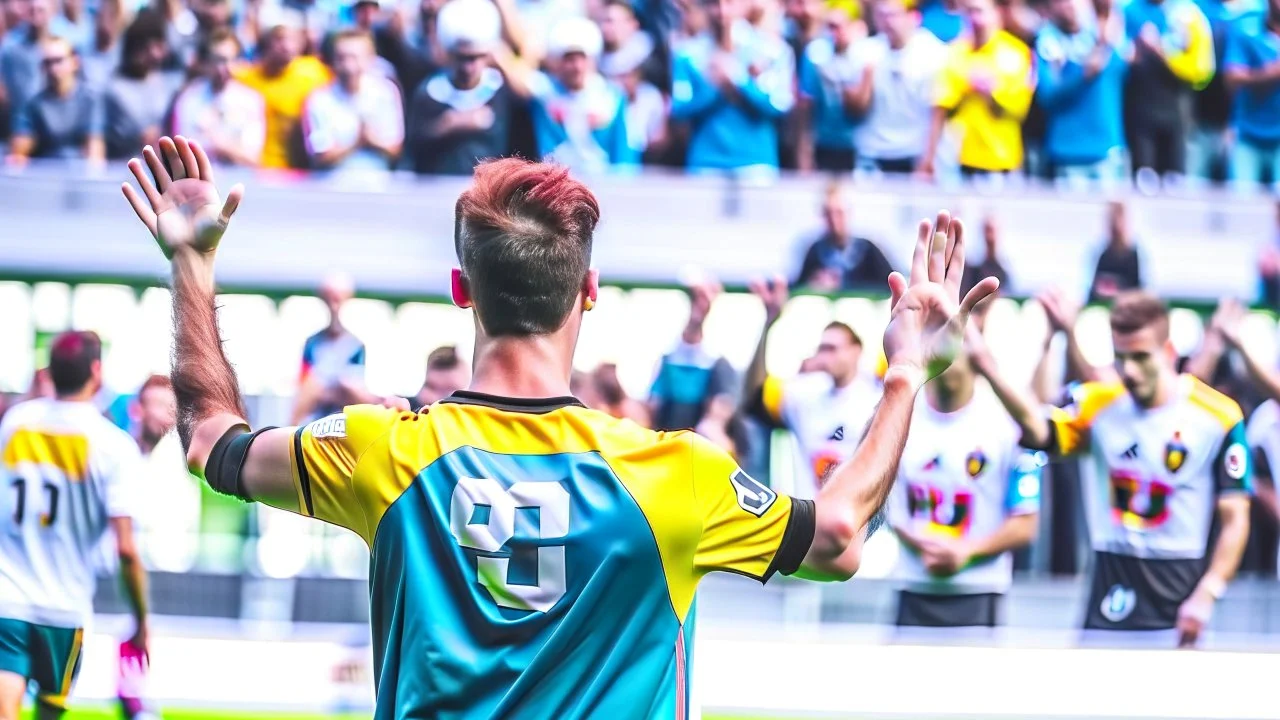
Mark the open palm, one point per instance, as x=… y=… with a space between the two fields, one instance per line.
x=927 y=317
x=182 y=207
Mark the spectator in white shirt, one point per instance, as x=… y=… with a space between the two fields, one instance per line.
x=356 y=123
x=227 y=117
x=904 y=62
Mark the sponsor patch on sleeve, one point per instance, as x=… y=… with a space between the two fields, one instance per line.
x=332 y=426
x=1235 y=461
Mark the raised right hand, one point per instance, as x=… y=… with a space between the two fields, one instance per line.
x=927 y=317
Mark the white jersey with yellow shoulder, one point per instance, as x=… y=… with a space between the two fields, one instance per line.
x=962 y=475
x=65 y=471
x=1153 y=476
x=826 y=421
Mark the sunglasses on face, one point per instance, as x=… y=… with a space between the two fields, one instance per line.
x=469 y=58
x=54 y=61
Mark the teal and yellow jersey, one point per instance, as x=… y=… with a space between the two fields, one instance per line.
x=533 y=558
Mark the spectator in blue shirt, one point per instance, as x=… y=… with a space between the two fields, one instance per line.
x=1252 y=67
x=732 y=85
x=1209 y=143
x=943 y=18
x=835 y=92
x=579 y=118
x=1081 y=69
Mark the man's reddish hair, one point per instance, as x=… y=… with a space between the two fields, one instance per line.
x=523 y=234
x=156 y=381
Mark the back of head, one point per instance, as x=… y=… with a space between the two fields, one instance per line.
x=523 y=235
x=1135 y=310
x=444 y=358
x=73 y=360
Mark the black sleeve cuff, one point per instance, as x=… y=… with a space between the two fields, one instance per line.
x=226 y=461
x=796 y=539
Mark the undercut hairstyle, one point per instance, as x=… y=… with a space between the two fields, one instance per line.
x=1134 y=310
x=523 y=235
x=846 y=329
x=444 y=358
x=71 y=360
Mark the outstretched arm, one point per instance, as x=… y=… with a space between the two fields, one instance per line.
x=182 y=210
x=924 y=335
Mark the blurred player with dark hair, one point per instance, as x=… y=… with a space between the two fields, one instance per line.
x=530 y=557
x=446 y=373
x=1165 y=451
x=67 y=476
x=967 y=495
x=826 y=410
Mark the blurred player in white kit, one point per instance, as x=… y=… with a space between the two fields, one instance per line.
x=65 y=479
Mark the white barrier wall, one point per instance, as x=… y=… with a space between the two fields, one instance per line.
x=755 y=669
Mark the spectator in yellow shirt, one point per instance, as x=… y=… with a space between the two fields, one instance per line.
x=985 y=91
x=284 y=78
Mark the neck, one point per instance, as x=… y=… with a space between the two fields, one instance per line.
x=949 y=399
x=724 y=37
x=843 y=381
x=463 y=82
x=521 y=367
x=982 y=36
x=64 y=88
x=351 y=84
x=335 y=328
x=274 y=67
x=82 y=396
x=897 y=40
x=1273 y=23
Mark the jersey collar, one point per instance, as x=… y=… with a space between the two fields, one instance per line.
x=536 y=406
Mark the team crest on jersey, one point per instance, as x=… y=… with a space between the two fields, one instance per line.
x=1235 y=461
x=934 y=463
x=753 y=497
x=975 y=463
x=1175 y=453
x=333 y=426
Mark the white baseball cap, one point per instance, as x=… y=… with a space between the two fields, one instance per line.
x=575 y=34
x=471 y=23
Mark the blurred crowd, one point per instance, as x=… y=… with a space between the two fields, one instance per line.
x=1085 y=92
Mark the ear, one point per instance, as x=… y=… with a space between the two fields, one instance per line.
x=591 y=286
x=459 y=290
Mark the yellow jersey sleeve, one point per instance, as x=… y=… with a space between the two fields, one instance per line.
x=1015 y=81
x=1072 y=422
x=325 y=454
x=1193 y=63
x=747 y=528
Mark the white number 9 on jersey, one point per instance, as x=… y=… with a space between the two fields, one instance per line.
x=552 y=503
